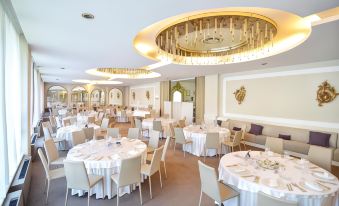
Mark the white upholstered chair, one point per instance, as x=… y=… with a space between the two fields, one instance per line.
x=77 y=178
x=180 y=138
x=90 y=120
x=133 y=133
x=78 y=137
x=129 y=174
x=275 y=144
x=153 y=142
x=153 y=167
x=50 y=174
x=52 y=153
x=321 y=156
x=104 y=123
x=113 y=132
x=89 y=133
x=212 y=142
x=163 y=156
x=66 y=122
x=266 y=200
x=235 y=142
x=218 y=191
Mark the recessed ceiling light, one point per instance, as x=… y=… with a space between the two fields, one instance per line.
x=87 y=15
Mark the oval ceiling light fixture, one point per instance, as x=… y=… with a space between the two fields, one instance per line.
x=87 y=15
x=123 y=73
x=222 y=36
x=86 y=81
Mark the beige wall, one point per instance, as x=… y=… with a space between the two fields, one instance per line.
x=140 y=95
x=211 y=96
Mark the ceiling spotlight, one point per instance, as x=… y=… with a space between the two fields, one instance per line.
x=87 y=15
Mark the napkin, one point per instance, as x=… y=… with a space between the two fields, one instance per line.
x=313 y=186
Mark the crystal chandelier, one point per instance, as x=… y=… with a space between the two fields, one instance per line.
x=210 y=38
x=123 y=73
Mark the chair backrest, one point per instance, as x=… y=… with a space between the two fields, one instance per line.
x=321 y=156
x=73 y=120
x=275 y=144
x=48 y=125
x=100 y=115
x=52 y=121
x=130 y=171
x=212 y=140
x=209 y=182
x=66 y=122
x=51 y=150
x=182 y=123
x=237 y=138
x=76 y=175
x=163 y=156
x=243 y=129
x=138 y=123
x=89 y=133
x=171 y=130
x=225 y=124
x=266 y=200
x=90 y=120
x=104 y=123
x=78 y=137
x=157 y=126
x=153 y=139
x=131 y=119
x=44 y=162
x=47 y=134
x=133 y=133
x=113 y=132
x=179 y=135
x=155 y=162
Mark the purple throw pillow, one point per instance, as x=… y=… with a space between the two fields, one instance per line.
x=285 y=137
x=219 y=122
x=320 y=139
x=256 y=129
x=236 y=128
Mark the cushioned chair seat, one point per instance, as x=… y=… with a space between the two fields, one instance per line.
x=336 y=155
x=295 y=146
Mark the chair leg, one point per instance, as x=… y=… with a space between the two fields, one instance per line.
x=200 y=197
x=183 y=148
x=160 y=177
x=175 y=144
x=66 y=196
x=204 y=154
x=45 y=186
x=150 y=186
x=48 y=182
x=140 y=193
x=165 y=169
x=88 y=198
x=117 y=195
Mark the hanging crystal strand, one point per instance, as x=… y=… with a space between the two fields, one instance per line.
x=200 y=25
x=220 y=28
x=208 y=29
x=257 y=29
x=265 y=31
x=166 y=41
x=215 y=27
x=186 y=32
x=231 y=25
x=196 y=35
x=160 y=40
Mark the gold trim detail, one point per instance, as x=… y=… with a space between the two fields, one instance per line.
x=326 y=93
x=240 y=94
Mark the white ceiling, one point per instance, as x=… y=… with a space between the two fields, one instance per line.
x=60 y=37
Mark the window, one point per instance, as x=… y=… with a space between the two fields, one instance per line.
x=177 y=96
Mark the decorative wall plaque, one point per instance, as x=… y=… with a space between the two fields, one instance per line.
x=148 y=95
x=133 y=95
x=326 y=93
x=240 y=94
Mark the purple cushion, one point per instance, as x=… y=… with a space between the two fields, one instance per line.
x=219 y=122
x=320 y=139
x=285 y=137
x=236 y=128
x=256 y=129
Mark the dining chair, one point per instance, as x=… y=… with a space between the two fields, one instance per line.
x=266 y=200
x=48 y=135
x=113 y=132
x=163 y=156
x=243 y=142
x=89 y=133
x=225 y=124
x=321 y=156
x=218 y=191
x=235 y=142
x=104 y=123
x=77 y=178
x=153 y=167
x=275 y=144
x=53 y=121
x=50 y=174
x=157 y=126
x=48 y=125
x=153 y=142
x=180 y=139
x=171 y=132
x=52 y=153
x=78 y=137
x=131 y=119
x=182 y=123
x=212 y=142
x=91 y=120
x=138 y=124
x=133 y=133
x=66 y=122
x=129 y=173
x=73 y=121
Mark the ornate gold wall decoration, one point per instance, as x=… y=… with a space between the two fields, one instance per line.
x=326 y=93
x=148 y=95
x=118 y=95
x=133 y=95
x=240 y=94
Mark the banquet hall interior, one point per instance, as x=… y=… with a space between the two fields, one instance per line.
x=170 y=102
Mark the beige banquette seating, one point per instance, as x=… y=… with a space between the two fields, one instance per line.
x=297 y=146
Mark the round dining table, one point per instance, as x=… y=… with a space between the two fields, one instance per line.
x=66 y=132
x=103 y=157
x=197 y=134
x=280 y=176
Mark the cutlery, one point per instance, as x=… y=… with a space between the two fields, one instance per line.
x=244 y=176
x=289 y=187
x=331 y=183
x=324 y=186
x=232 y=165
x=300 y=188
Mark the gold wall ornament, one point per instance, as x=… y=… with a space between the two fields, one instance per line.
x=118 y=95
x=326 y=93
x=133 y=95
x=240 y=94
x=148 y=95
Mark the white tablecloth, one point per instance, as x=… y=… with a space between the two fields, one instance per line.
x=140 y=113
x=229 y=172
x=66 y=132
x=104 y=158
x=197 y=134
x=148 y=123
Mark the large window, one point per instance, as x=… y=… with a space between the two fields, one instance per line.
x=14 y=129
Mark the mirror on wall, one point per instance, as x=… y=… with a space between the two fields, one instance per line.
x=79 y=96
x=98 y=97
x=56 y=97
x=115 y=97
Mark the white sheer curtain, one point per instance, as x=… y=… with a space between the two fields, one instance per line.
x=37 y=97
x=14 y=129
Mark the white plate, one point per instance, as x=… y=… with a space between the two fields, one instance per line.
x=273 y=183
x=132 y=152
x=321 y=175
x=238 y=169
x=311 y=186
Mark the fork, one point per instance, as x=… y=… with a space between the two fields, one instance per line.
x=300 y=188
